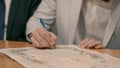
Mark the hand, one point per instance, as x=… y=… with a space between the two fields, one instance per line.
x=41 y=38
x=91 y=43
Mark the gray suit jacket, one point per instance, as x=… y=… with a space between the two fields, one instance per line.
x=66 y=14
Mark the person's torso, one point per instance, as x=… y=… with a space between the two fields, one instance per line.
x=95 y=17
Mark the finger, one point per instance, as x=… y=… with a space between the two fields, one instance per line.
x=83 y=42
x=93 y=44
x=99 y=47
x=43 y=42
x=44 y=34
x=86 y=45
x=53 y=39
x=54 y=45
x=40 y=40
x=34 y=42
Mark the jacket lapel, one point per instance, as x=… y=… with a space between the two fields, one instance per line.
x=113 y=20
x=74 y=18
x=13 y=10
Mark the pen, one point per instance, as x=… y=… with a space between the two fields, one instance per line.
x=43 y=24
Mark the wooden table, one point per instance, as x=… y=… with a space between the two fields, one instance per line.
x=6 y=62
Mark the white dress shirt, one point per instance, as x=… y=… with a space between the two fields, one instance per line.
x=7 y=4
x=96 y=14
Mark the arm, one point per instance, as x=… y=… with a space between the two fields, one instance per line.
x=41 y=38
x=46 y=11
x=90 y=43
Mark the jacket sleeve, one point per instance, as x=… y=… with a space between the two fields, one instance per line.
x=46 y=11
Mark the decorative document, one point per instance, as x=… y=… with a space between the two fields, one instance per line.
x=64 y=56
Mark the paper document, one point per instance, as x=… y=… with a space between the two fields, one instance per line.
x=64 y=56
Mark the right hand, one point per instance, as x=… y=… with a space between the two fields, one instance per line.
x=42 y=38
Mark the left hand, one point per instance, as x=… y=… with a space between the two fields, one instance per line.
x=89 y=43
